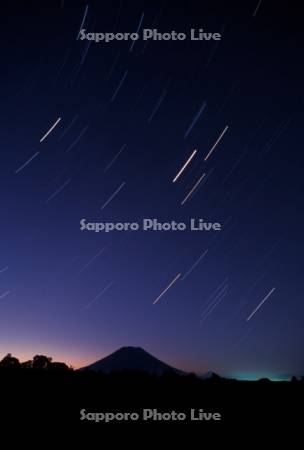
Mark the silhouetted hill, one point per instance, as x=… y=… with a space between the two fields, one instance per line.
x=209 y=375
x=131 y=358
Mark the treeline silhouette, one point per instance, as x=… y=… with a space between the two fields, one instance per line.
x=47 y=390
x=46 y=363
x=39 y=362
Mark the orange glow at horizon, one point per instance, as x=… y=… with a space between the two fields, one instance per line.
x=77 y=362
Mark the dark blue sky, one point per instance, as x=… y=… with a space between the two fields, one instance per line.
x=79 y=295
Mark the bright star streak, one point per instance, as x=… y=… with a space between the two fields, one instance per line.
x=217 y=142
x=167 y=288
x=260 y=304
x=185 y=165
x=50 y=130
x=194 y=265
x=193 y=189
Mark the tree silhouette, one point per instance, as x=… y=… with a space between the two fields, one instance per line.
x=41 y=362
x=10 y=362
x=59 y=367
x=27 y=364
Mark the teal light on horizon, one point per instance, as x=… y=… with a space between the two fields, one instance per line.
x=258 y=376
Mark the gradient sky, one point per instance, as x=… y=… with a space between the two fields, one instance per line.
x=51 y=272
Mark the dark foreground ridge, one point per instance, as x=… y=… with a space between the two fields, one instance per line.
x=44 y=391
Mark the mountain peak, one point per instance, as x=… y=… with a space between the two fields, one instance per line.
x=131 y=358
x=130 y=348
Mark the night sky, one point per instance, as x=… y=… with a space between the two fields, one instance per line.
x=131 y=116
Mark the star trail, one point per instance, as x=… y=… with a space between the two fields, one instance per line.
x=171 y=130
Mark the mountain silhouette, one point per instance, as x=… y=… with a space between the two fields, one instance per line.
x=208 y=375
x=131 y=358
